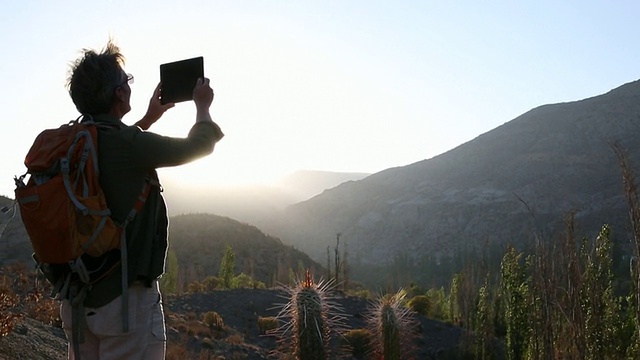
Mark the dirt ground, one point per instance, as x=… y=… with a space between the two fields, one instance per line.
x=239 y=309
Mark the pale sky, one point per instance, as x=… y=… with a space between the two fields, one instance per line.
x=342 y=85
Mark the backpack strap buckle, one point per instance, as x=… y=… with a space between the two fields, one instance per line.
x=77 y=266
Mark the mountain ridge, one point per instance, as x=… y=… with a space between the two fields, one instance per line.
x=516 y=181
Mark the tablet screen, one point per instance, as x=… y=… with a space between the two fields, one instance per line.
x=179 y=78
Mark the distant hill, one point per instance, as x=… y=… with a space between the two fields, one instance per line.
x=14 y=243
x=255 y=204
x=505 y=186
x=200 y=241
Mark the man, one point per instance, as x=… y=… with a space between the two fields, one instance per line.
x=128 y=156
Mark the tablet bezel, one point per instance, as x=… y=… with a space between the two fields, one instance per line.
x=179 y=78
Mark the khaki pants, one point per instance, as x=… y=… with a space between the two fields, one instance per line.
x=104 y=338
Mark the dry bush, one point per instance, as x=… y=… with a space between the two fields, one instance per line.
x=8 y=316
x=267 y=324
x=196 y=328
x=357 y=342
x=208 y=343
x=191 y=315
x=213 y=320
x=420 y=304
x=21 y=295
x=235 y=339
x=177 y=351
x=196 y=287
x=238 y=356
x=43 y=308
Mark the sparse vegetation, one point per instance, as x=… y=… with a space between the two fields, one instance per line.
x=358 y=342
x=22 y=295
x=558 y=299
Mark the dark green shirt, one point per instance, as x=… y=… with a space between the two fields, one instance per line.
x=127 y=155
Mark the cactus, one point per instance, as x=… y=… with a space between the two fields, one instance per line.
x=309 y=318
x=392 y=327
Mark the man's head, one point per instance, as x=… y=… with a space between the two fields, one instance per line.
x=98 y=84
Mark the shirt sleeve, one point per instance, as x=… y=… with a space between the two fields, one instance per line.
x=151 y=150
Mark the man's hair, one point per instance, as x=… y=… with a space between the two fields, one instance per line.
x=93 y=78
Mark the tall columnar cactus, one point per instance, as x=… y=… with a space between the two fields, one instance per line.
x=310 y=333
x=392 y=327
x=309 y=317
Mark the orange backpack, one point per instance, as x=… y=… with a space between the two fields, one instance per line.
x=76 y=243
x=62 y=205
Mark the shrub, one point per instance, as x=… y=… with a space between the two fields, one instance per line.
x=196 y=287
x=177 y=352
x=213 y=319
x=43 y=308
x=420 y=304
x=266 y=324
x=8 y=318
x=208 y=343
x=358 y=342
x=198 y=329
x=235 y=339
x=242 y=281
x=211 y=283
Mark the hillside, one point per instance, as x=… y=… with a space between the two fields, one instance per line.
x=253 y=204
x=188 y=337
x=510 y=184
x=200 y=240
x=14 y=243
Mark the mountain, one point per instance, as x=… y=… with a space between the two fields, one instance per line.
x=305 y=184
x=14 y=243
x=200 y=241
x=253 y=204
x=508 y=185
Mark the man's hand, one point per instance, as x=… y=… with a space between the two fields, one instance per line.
x=155 y=110
x=202 y=94
x=203 y=97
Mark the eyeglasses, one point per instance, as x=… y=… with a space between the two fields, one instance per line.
x=128 y=81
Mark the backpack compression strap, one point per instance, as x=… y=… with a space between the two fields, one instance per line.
x=151 y=181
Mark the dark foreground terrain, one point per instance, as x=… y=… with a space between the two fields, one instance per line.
x=240 y=336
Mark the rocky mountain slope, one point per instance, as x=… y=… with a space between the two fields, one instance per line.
x=508 y=185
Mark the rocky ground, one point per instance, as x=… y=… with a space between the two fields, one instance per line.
x=240 y=339
x=33 y=340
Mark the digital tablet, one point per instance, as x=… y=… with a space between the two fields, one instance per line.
x=179 y=78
